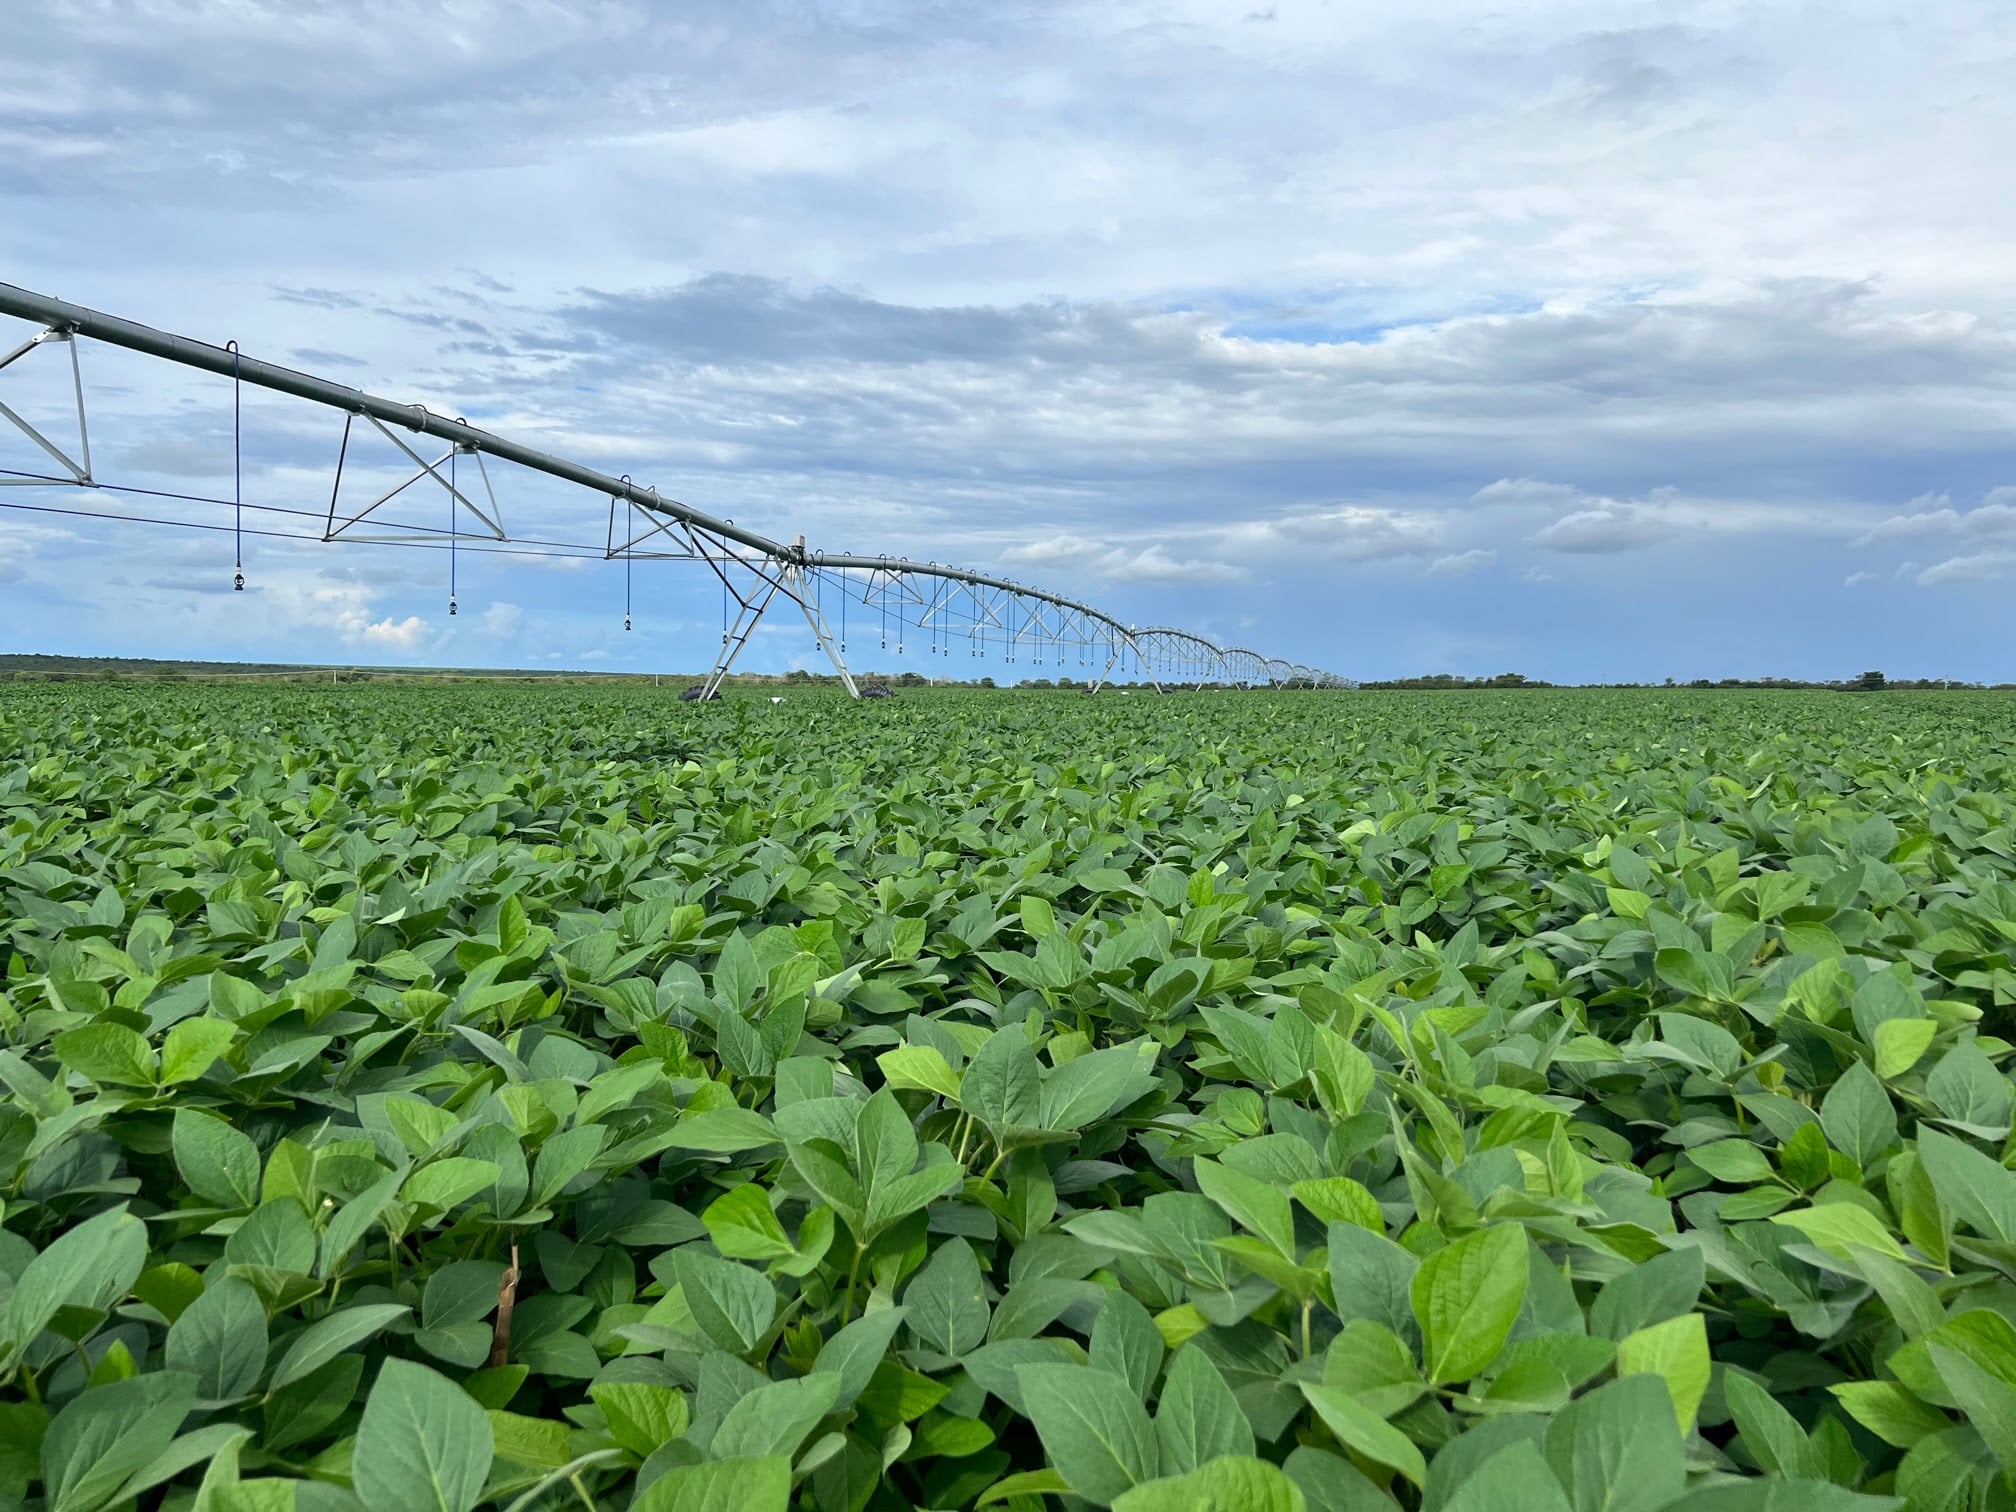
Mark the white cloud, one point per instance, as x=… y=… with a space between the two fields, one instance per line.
x=1462 y=563
x=21 y=544
x=1993 y=519
x=503 y=620
x=1857 y=579
x=1052 y=551
x=1343 y=532
x=1113 y=563
x=1982 y=567
x=389 y=634
x=1529 y=491
x=1153 y=564
x=1606 y=528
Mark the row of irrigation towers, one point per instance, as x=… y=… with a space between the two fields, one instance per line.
x=951 y=610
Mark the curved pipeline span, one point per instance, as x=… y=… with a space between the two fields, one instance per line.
x=977 y=611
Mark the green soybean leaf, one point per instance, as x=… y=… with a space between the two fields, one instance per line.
x=1198 y=1418
x=733 y=1304
x=1358 y=1427
x=220 y=1164
x=1466 y=1298
x=1097 y=1435
x=1126 y=1343
x=220 y=1339
x=324 y=1339
x=1618 y=1449
x=1676 y=1350
x=423 y=1445
x=1516 y=1479
x=110 y=1433
x=92 y=1266
x=1233 y=1482
x=774 y=1419
x=730 y=1485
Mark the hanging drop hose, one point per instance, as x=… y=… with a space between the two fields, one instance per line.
x=452 y=523
x=237 y=473
x=629 y=554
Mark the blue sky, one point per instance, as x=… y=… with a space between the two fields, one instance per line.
x=1594 y=341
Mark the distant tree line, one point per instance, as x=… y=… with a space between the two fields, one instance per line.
x=1862 y=682
x=1444 y=680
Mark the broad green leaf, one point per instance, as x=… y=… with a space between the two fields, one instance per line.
x=1677 y=1351
x=1197 y=1418
x=1095 y=1433
x=724 y=1131
x=109 y=1054
x=220 y=1339
x=324 y=1339
x=1618 y=1448
x=744 y=1226
x=1650 y=1292
x=1126 y=1343
x=1231 y=1483
x=91 y=1266
x=423 y=1444
x=1371 y=1277
x=220 y=1164
x=1516 y=1479
x=1081 y=1091
x=774 y=1419
x=643 y=1416
x=1980 y=1191
x=1858 y=1117
x=1899 y=1043
x=450 y=1182
x=351 y=1222
x=729 y=1485
x=192 y=1047
x=1255 y=1206
x=921 y=1068
x=1840 y=1227
x=1358 y=1427
x=1002 y=1086
x=856 y=1350
x=1890 y=1412
x=1466 y=1298
x=1771 y=1434
x=732 y=1304
x=109 y=1433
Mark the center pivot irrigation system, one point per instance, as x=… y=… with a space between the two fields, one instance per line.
x=949 y=609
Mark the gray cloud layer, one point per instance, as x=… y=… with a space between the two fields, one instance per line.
x=1482 y=315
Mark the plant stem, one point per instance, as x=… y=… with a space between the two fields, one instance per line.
x=853 y=1271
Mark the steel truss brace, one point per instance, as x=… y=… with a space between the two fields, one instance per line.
x=788 y=579
x=489 y=520
x=79 y=470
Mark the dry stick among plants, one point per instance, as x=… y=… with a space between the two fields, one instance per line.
x=507 y=1295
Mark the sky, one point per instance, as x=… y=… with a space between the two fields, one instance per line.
x=1593 y=341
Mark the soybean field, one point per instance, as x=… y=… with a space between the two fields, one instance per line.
x=416 y=1099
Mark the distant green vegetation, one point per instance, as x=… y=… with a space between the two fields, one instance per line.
x=424 y=1097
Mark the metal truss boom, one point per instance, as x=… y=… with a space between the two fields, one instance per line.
x=975 y=605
